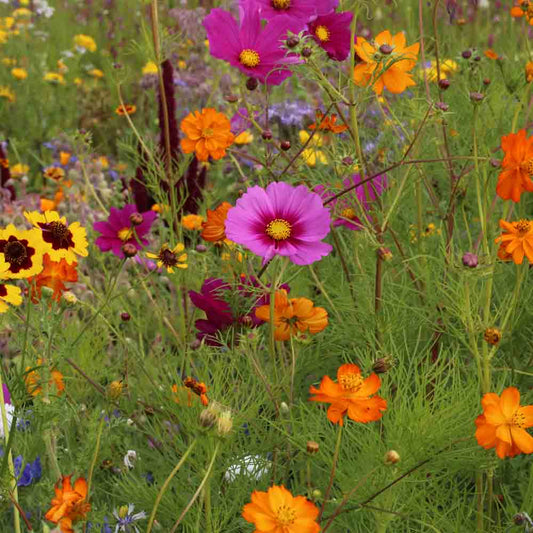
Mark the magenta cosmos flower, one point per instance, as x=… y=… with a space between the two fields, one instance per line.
x=118 y=229
x=333 y=33
x=299 y=11
x=254 y=50
x=281 y=220
x=347 y=209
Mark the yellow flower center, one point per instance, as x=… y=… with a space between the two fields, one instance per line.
x=249 y=58
x=322 y=33
x=350 y=382
x=348 y=213
x=527 y=166
x=207 y=132
x=281 y=4
x=279 y=229
x=125 y=234
x=518 y=420
x=285 y=515
x=123 y=511
x=523 y=226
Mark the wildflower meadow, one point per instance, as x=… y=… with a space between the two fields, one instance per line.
x=264 y=266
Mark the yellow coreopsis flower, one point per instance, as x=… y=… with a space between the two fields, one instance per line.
x=54 y=78
x=22 y=250
x=19 y=73
x=150 y=68
x=85 y=41
x=19 y=170
x=169 y=258
x=312 y=155
x=7 y=93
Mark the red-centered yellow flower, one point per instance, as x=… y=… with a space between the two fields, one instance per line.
x=208 y=134
x=53 y=276
x=503 y=424
x=214 y=228
x=517 y=240
x=69 y=504
x=61 y=241
x=23 y=250
x=351 y=395
x=170 y=258
x=293 y=316
x=54 y=173
x=126 y=109
x=33 y=380
x=9 y=294
x=517 y=166
x=192 y=222
x=278 y=511
x=385 y=62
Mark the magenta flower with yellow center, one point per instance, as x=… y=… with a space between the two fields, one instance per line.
x=332 y=32
x=281 y=220
x=255 y=50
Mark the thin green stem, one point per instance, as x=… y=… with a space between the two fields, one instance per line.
x=333 y=470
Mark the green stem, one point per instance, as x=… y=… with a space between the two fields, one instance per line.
x=95 y=455
x=166 y=484
x=333 y=469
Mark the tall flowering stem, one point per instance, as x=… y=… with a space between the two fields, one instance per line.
x=333 y=470
x=13 y=481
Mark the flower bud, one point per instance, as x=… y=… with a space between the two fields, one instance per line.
x=208 y=418
x=201 y=248
x=129 y=250
x=114 y=390
x=486 y=81
x=443 y=106
x=224 y=423
x=444 y=83
x=470 y=260
x=285 y=145
x=266 y=134
x=317 y=493
x=231 y=98
x=467 y=54
x=347 y=161
x=136 y=219
x=391 y=457
x=492 y=336
x=312 y=447
x=386 y=49
x=125 y=317
x=293 y=41
x=306 y=52
x=195 y=344
x=385 y=253
x=70 y=297
x=476 y=97
x=251 y=84
x=383 y=364
x=284 y=408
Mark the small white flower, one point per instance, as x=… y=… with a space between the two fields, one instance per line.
x=9 y=415
x=130 y=458
x=253 y=466
x=125 y=518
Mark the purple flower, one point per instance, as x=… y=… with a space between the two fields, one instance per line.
x=7 y=396
x=225 y=307
x=118 y=230
x=32 y=471
x=332 y=32
x=281 y=220
x=254 y=50
x=299 y=11
x=344 y=210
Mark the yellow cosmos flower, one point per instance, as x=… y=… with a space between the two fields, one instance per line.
x=85 y=41
x=96 y=73
x=244 y=137
x=7 y=93
x=447 y=67
x=150 y=68
x=19 y=170
x=21 y=12
x=19 y=73
x=6 y=23
x=54 y=78
x=22 y=250
x=169 y=258
x=60 y=241
x=4 y=36
x=9 y=62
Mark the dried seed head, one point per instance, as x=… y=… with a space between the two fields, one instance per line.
x=114 y=390
x=312 y=447
x=208 y=418
x=492 y=336
x=129 y=250
x=391 y=457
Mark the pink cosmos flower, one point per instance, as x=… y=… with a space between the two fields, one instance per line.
x=346 y=208
x=254 y=50
x=300 y=11
x=281 y=220
x=118 y=229
x=333 y=33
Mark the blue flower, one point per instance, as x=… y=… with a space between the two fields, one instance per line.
x=32 y=471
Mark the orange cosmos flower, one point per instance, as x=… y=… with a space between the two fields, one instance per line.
x=352 y=395
x=191 y=384
x=385 y=62
x=529 y=71
x=208 y=134
x=53 y=276
x=517 y=240
x=278 y=511
x=491 y=54
x=517 y=165
x=52 y=205
x=327 y=123
x=126 y=109
x=503 y=424
x=214 y=228
x=33 y=380
x=523 y=9
x=69 y=504
x=192 y=222
x=293 y=316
